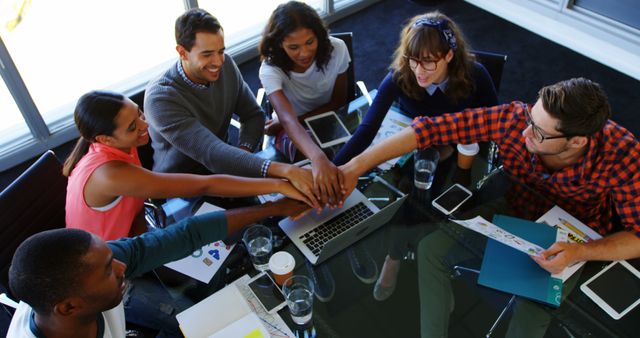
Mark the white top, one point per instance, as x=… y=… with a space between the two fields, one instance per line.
x=311 y=89
x=114 y=322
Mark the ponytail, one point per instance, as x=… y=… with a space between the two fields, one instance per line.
x=94 y=115
x=81 y=148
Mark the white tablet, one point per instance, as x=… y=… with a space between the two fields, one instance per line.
x=327 y=129
x=616 y=289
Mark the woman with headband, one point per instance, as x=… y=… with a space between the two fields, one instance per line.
x=432 y=73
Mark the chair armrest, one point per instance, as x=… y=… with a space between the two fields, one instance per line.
x=364 y=90
x=154 y=215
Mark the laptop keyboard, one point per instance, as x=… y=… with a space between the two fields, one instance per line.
x=316 y=239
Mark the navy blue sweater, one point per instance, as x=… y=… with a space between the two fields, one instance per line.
x=430 y=105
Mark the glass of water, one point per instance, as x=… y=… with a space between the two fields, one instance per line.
x=298 y=291
x=425 y=164
x=257 y=239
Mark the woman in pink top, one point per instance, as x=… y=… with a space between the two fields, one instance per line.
x=107 y=185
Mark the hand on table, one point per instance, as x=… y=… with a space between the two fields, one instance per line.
x=327 y=182
x=558 y=256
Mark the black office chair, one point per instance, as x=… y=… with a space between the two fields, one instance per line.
x=34 y=202
x=494 y=63
x=347 y=37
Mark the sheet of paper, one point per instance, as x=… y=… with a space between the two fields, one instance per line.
x=214 y=313
x=577 y=232
x=481 y=225
x=248 y=326
x=393 y=123
x=203 y=263
x=242 y=315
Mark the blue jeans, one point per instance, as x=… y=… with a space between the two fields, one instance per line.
x=439 y=252
x=149 y=304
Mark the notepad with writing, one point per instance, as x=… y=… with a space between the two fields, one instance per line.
x=509 y=270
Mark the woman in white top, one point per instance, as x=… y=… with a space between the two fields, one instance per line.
x=303 y=72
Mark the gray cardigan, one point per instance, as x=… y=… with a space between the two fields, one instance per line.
x=188 y=126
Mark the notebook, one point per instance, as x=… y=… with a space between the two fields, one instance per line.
x=223 y=314
x=507 y=269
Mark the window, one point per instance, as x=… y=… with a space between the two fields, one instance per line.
x=65 y=48
x=13 y=127
x=58 y=50
x=605 y=31
x=624 y=11
x=240 y=26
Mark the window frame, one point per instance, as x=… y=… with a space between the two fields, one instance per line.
x=595 y=36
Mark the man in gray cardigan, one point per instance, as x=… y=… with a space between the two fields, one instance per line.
x=189 y=109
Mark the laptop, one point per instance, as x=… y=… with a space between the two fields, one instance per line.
x=320 y=236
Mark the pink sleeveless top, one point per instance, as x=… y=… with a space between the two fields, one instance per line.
x=110 y=224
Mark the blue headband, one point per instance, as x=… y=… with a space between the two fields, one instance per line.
x=443 y=27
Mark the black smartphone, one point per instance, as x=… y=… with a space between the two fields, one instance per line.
x=267 y=292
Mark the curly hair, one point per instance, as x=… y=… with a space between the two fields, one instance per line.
x=194 y=21
x=416 y=39
x=286 y=19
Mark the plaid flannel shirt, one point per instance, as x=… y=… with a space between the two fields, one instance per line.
x=606 y=177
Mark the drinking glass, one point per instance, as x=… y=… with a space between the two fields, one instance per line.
x=298 y=291
x=257 y=239
x=425 y=164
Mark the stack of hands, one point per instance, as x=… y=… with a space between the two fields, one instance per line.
x=317 y=188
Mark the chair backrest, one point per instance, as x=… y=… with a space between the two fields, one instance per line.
x=494 y=63
x=347 y=37
x=34 y=202
x=145 y=152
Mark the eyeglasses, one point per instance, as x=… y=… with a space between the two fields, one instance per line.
x=537 y=131
x=428 y=65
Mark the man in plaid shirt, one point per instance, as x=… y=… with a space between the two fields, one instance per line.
x=565 y=148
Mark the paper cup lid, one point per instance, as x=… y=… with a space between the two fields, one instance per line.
x=281 y=262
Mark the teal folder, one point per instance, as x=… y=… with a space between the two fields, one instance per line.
x=509 y=270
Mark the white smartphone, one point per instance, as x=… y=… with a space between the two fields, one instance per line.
x=267 y=292
x=327 y=129
x=450 y=200
x=616 y=289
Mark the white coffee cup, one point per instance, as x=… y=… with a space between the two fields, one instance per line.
x=281 y=265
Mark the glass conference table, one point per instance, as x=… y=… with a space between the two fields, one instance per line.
x=348 y=307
